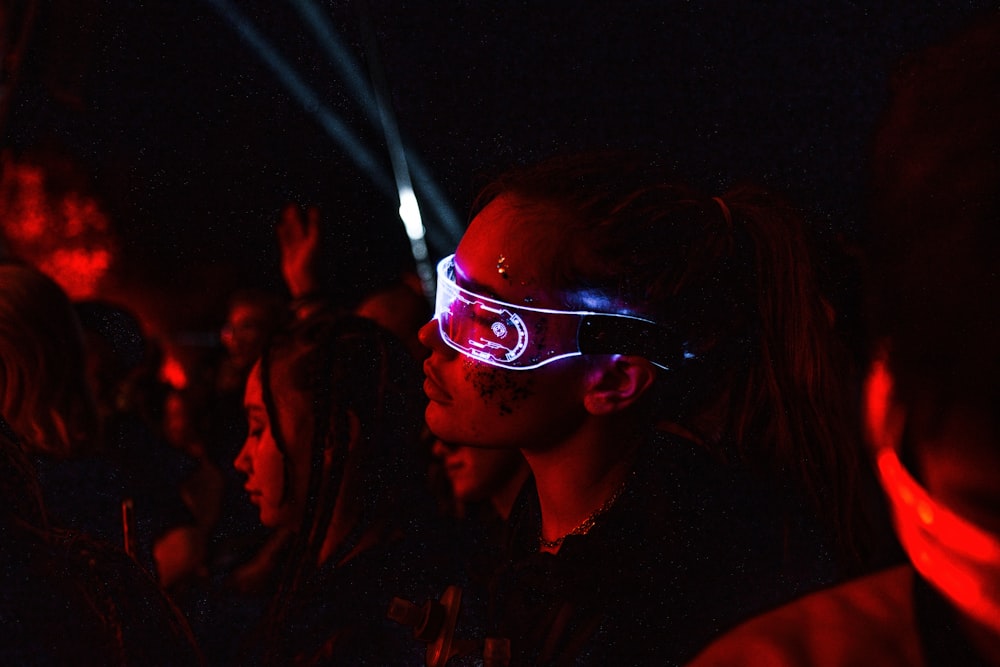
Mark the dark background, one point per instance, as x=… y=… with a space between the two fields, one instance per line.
x=171 y=119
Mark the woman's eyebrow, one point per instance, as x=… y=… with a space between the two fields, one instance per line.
x=480 y=289
x=465 y=282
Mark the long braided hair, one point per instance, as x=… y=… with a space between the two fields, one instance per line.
x=363 y=390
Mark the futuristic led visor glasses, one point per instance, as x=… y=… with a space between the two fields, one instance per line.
x=520 y=338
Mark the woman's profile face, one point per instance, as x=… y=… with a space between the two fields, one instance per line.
x=264 y=464
x=477 y=474
x=244 y=333
x=503 y=255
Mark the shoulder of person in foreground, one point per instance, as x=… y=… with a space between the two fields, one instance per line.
x=869 y=620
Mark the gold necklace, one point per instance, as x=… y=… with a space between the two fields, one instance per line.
x=584 y=527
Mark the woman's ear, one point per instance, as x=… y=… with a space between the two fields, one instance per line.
x=617 y=382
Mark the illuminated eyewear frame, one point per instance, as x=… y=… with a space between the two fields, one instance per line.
x=519 y=337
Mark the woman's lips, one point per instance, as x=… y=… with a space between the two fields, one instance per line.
x=454 y=470
x=433 y=388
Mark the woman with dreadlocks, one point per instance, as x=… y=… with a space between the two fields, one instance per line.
x=334 y=410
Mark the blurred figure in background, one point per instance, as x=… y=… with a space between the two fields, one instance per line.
x=396 y=303
x=50 y=406
x=46 y=399
x=401 y=308
x=478 y=477
x=932 y=391
x=130 y=403
x=481 y=486
x=252 y=317
x=66 y=598
x=185 y=557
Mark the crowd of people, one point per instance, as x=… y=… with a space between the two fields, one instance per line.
x=628 y=431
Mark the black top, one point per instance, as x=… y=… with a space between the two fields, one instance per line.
x=689 y=548
x=339 y=615
x=941 y=635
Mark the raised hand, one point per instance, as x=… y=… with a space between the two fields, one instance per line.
x=298 y=239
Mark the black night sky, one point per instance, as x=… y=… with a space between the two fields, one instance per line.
x=193 y=143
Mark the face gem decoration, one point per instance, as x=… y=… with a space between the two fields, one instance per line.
x=502 y=267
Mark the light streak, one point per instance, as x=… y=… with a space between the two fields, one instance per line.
x=409 y=210
x=329 y=120
x=349 y=70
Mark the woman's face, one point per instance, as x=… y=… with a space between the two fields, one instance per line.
x=245 y=332
x=502 y=255
x=264 y=464
x=477 y=474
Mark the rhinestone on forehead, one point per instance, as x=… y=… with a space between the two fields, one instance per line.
x=502 y=266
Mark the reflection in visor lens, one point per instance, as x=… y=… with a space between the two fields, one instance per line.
x=483 y=331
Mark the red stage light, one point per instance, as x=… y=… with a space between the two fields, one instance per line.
x=65 y=235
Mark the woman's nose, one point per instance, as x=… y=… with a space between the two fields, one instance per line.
x=430 y=336
x=439 y=450
x=243 y=461
x=227 y=335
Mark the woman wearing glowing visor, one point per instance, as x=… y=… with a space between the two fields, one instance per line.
x=627 y=335
x=507 y=335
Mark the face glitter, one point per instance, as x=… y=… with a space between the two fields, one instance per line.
x=499 y=387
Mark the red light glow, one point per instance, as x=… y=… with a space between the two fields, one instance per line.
x=954 y=555
x=65 y=235
x=173 y=373
x=77 y=270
